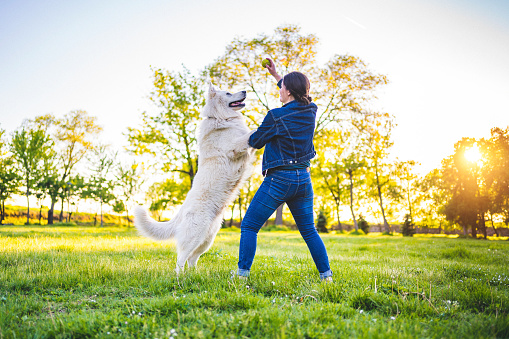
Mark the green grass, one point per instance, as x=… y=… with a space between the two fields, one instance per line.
x=80 y=282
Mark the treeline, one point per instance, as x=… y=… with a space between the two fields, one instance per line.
x=42 y=158
x=353 y=171
x=15 y=215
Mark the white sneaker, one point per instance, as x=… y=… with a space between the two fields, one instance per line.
x=234 y=274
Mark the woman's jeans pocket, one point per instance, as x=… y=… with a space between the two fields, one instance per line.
x=278 y=189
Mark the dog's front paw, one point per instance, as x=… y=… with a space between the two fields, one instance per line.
x=240 y=145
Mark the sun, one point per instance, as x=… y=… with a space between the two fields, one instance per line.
x=473 y=154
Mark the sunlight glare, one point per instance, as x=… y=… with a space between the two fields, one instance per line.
x=473 y=154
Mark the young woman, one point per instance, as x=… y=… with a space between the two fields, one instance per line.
x=287 y=134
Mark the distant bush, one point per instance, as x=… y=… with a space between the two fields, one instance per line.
x=321 y=222
x=407 y=229
x=359 y=232
x=363 y=224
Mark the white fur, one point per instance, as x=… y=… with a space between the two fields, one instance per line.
x=224 y=163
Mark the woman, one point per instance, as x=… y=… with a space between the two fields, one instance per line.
x=287 y=134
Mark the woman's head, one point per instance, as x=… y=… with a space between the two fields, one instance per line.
x=295 y=86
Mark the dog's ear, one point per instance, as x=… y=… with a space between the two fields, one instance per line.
x=212 y=91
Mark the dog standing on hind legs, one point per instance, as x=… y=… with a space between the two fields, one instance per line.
x=224 y=163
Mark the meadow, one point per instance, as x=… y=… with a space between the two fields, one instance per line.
x=88 y=282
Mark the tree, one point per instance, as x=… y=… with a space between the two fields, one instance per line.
x=9 y=179
x=407 y=181
x=167 y=194
x=170 y=135
x=407 y=229
x=74 y=134
x=377 y=130
x=433 y=195
x=100 y=186
x=329 y=169
x=353 y=166
x=30 y=147
x=119 y=207
x=363 y=224
x=129 y=180
x=496 y=173
x=342 y=88
x=321 y=222
x=460 y=177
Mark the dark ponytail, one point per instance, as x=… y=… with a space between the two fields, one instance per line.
x=298 y=86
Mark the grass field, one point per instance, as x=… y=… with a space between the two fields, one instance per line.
x=85 y=282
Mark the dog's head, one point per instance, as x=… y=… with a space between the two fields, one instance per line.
x=222 y=104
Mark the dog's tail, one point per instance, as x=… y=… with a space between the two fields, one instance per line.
x=152 y=229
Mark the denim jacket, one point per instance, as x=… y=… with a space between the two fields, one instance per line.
x=287 y=134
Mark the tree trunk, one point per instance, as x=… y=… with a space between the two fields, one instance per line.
x=474 y=231
x=386 y=224
x=61 y=218
x=40 y=214
x=340 y=226
x=279 y=215
x=95 y=219
x=351 y=202
x=240 y=209
x=482 y=223
x=409 y=203
x=233 y=210
x=68 y=210
x=493 y=225
x=101 y=213
x=28 y=206
x=465 y=230
x=50 y=212
x=2 y=212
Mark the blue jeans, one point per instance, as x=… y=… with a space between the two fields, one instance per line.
x=293 y=187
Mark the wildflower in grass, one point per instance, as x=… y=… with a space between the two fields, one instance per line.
x=393 y=318
x=273 y=283
x=361 y=311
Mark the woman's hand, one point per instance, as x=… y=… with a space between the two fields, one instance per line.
x=272 y=69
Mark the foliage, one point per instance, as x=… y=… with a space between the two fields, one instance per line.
x=321 y=222
x=166 y=195
x=407 y=228
x=170 y=135
x=380 y=178
x=73 y=135
x=9 y=178
x=343 y=89
x=129 y=179
x=101 y=184
x=30 y=147
x=363 y=224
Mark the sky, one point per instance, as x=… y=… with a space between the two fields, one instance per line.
x=447 y=61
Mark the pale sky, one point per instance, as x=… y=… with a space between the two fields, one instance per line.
x=447 y=61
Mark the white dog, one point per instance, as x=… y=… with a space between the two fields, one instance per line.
x=224 y=163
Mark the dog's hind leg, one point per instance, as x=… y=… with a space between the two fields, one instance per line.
x=184 y=255
x=204 y=247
